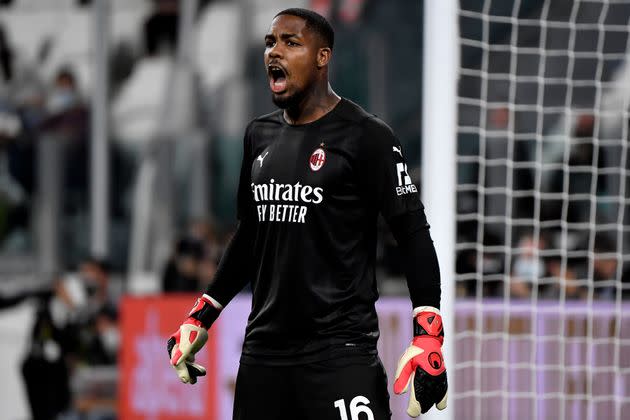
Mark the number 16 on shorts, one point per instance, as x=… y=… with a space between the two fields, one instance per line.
x=357 y=406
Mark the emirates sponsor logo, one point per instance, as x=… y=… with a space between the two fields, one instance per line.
x=285 y=202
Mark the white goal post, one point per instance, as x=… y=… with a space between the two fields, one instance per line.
x=439 y=122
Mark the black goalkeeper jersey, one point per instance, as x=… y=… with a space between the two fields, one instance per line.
x=310 y=195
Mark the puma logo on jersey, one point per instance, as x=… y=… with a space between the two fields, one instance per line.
x=260 y=158
x=397 y=150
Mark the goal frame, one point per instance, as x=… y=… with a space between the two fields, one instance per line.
x=439 y=134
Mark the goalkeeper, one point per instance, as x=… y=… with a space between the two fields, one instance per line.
x=315 y=176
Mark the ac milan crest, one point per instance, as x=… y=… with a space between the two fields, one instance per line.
x=317 y=160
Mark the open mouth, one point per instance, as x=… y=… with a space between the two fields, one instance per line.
x=277 y=78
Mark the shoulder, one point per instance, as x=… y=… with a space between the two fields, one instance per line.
x=256 y=127
x=378 y=138
x=376 y=128
x=260 y=128
x=376 y=142
x=352 y=112
x=267 y=120
x=371 y=126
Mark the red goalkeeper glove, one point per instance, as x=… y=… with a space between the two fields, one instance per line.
x=422 y=364
x=191 y=337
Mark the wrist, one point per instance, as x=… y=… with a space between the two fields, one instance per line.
x=205 y=312
x=427 y=321
x=428 y=341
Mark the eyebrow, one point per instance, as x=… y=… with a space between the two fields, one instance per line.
x=283 y=36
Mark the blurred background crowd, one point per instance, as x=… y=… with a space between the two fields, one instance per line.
x=179 y=82
x=542 y=135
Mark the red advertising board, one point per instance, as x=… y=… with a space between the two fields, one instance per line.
x=149 y=387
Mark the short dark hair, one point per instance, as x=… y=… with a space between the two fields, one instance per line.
x=101 y=264
x=189 y=247
x=315 y=22
x=66 y=73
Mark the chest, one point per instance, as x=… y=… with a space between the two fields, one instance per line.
x=320 y=158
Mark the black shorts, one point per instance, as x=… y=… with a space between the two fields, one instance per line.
x=338 y=389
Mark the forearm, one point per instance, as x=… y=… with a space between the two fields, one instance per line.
x=418 y=257
x=234 y=270
x=422 y=365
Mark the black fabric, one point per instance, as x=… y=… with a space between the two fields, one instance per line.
x=46 y=374
x=47 y=385
x=312 y=391
x=13 y=300
x=308 y=200
x=418 y=256
x=175 y=281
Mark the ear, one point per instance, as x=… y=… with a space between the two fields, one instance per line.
x=323 y=57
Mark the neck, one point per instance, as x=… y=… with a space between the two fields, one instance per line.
x=315 y=104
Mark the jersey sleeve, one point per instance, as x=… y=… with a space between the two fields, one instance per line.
x=418 y=258
x=389 y=187
x=384 y=173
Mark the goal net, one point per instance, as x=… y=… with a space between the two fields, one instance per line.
x=543 y=237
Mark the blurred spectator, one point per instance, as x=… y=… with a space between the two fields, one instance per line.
x=182 y=270
x=98 y=318
x=95 y=273
x=492 y=265
x=102 y=338
x=6 y=58
x=605 y=276
x=579 y=180
x=98 y=331
x=64 y=94
x=528 y=266
x=586 y=158
x=202 y=230
x=52 y=350
x=566 y=280
x=194 y=260
x=137 y=106
x=21 y=112
x=10 y=300
x=161 y=27
x=30 y=100
x=15 y=184
x=68 y=120
x=206 y=271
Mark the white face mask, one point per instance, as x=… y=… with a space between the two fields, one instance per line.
x=61 y=99
x=60 y=311
x=111 y=340
x=528 y=268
